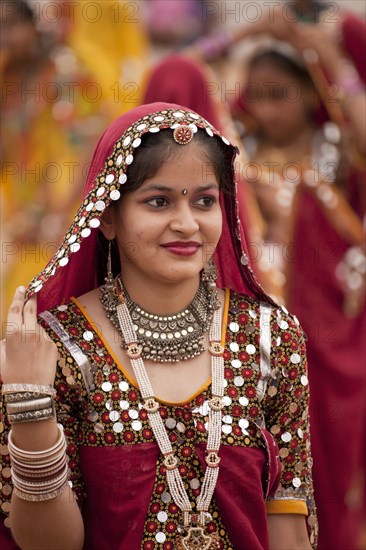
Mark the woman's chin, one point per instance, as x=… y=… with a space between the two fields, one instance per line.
x=181 y=274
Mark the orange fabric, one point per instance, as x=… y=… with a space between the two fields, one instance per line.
x=287 y=507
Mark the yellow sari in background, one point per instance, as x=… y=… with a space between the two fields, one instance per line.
x=111 y=42
x=47 y=137
x=52 y=117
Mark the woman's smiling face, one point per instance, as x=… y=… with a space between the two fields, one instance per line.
x=178 y=206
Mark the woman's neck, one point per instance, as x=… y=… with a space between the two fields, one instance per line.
x=160 y=297
x=295 y=149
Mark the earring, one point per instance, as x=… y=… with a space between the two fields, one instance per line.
x=109 y=281
x=244 y=259
x=209 y=274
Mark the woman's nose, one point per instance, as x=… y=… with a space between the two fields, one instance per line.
x=184 y=220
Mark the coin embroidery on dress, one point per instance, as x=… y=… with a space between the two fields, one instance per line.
x=115 y=415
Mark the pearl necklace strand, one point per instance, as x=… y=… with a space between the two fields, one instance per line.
x=174 y=479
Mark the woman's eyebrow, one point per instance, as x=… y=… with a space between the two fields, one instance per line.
x=159 y=187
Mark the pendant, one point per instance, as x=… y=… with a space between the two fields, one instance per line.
x=196 y=539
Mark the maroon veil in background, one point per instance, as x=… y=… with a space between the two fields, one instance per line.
x=336 y=344
x=336 y=350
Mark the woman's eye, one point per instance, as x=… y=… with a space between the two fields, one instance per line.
x=206 y=201
x=157 y=202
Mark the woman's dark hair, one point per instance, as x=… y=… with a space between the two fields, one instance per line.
x=283 y=63
x=154 y=151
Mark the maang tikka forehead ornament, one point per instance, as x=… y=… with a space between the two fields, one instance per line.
x=183 y=134
x=111 y=180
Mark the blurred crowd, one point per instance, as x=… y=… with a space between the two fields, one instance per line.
x=283 y=80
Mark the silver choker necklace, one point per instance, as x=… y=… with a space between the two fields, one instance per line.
x=165 y=338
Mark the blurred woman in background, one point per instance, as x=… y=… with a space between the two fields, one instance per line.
x=310 y=184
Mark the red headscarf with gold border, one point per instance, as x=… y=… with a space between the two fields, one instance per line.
x=72 y=270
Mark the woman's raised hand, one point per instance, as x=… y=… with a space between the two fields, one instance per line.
x=28 y=355
x=273 y=22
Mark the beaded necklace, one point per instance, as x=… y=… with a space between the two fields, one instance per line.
x=194 y=536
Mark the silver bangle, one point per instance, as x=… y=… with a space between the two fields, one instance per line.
x=31 y=416
x=21 y=388
x=39 y=475
x=23 y=396
x=41 y=471
x=35 y=465
x=37 y=455
x=35 y=487
x=31 y=405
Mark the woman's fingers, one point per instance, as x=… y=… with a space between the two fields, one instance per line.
x=30 y=356
x=15 y=313
x=30 y=312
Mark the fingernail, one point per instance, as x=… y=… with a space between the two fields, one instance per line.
x=21 y=288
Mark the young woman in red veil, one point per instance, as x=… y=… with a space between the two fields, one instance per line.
x=179 y=387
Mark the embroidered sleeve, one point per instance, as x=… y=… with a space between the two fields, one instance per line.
x=286 y=405
x=71 y=385
x=5 y=478
x=68 y=410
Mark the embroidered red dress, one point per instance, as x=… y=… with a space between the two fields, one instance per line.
x=116 y=466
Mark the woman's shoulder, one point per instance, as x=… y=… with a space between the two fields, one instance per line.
x=63 y=322
x=263 y=313
x=75 y=335
x=246 y=301
x=73 y=309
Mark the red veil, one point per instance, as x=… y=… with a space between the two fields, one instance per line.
x=72 y=270
x=179 y=79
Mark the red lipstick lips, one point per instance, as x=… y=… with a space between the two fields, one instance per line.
x=182 y=248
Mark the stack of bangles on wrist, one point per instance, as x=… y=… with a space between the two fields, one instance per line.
x=36 y=475
x=39 y=475
x=28 y=402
